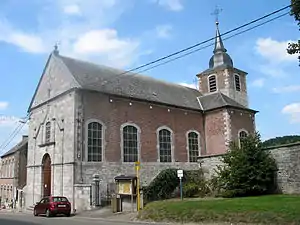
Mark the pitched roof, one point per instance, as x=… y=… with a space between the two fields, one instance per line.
x=114 y=81
x=218 y=100
x=17 y=147
x=104 y=79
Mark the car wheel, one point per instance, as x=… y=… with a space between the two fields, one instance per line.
x=68 y=214
x=48 y=214
x=35 y=213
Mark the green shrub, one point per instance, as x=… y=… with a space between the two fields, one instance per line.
x=162 y=186
x=248 y=169
x=190 y=190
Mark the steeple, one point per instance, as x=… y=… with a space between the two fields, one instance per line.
x=219 y=46
x=220 y=56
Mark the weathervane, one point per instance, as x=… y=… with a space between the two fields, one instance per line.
x=216 y=13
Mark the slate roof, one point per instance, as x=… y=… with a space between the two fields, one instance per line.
x=17 y=147
x=218 y=100
x=113 y=81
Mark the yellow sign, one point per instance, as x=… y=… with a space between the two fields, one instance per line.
x=137 y=165
x=125 y=188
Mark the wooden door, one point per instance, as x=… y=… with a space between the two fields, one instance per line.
x=46 y=173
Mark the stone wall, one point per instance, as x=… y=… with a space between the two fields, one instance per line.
x=288 y=162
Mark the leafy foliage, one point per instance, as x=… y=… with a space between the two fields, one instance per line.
x=195 y=184
x=247 y=170
x=294 y=48
x=281 y=140
x=161 y=186
x=165 y=183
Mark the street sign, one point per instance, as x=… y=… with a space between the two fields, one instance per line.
x=180 y=173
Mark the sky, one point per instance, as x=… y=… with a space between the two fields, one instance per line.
x=129 y=33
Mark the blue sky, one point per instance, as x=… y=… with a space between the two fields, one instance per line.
x=128 y=33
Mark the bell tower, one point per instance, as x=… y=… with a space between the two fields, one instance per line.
x=222 y=76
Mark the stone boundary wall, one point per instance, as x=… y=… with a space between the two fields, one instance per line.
x=288 y=162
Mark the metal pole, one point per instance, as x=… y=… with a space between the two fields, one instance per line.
x=181 y=197
x=138 y=186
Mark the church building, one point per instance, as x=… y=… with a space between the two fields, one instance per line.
x=88 y=119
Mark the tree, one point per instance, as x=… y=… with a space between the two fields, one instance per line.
x=288 y=139
x=247 y=169
x=294 y=48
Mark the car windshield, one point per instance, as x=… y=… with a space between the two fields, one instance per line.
x=60 y=199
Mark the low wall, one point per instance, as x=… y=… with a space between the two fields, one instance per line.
x=288 y=162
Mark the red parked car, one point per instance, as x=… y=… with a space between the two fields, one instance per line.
x=52 y=206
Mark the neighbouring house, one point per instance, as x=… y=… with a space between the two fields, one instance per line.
x=88 y=119
x=13 y=174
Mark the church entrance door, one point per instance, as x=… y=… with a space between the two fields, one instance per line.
x=46 y=175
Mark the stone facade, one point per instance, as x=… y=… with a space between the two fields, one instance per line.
x=288 y=161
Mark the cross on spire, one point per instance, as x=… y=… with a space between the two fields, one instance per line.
x=216 y=13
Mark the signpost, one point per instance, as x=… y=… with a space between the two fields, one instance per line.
x=137 y=169
x=180 y=176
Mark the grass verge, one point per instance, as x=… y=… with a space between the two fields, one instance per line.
x=272 y=209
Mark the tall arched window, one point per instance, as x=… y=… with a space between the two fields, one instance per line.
x=212 y=83
x=242 y=134
x=237 y=82
x=193 y=146
x=130 y=144
x=94 y=142
x=165 y=145
x=48 y=132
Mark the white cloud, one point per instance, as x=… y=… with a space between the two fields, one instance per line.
x=3 y=105
x=173 y=5
x=164 y=31
x=287 y=89
x=258 y=82
x=194 y=86
x=88 y=36
x=292 y=110
x=274 y=51
x=72 y=9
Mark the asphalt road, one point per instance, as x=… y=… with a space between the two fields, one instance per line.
x=27 y=219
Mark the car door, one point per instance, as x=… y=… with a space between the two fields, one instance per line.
x=39 y=207
x=45 y=205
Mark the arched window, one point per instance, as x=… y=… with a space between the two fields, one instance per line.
x=212 y=83
x=193 y=145
x=237 y=82
x=48 y=132
x=130 y=144
x=165 y=145
x=242 y=134
x=94 y=142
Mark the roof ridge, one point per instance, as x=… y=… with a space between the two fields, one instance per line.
x=222 y=96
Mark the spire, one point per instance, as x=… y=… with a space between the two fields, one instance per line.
x=219 y=46
x=220 y=56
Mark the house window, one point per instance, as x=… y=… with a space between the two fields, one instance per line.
x=94 y=143
x=130 y=144
x=193 y=146
x=237 y=82
x=212 y=82
x=165 y=145
x=242 y=134
x=48 y=132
